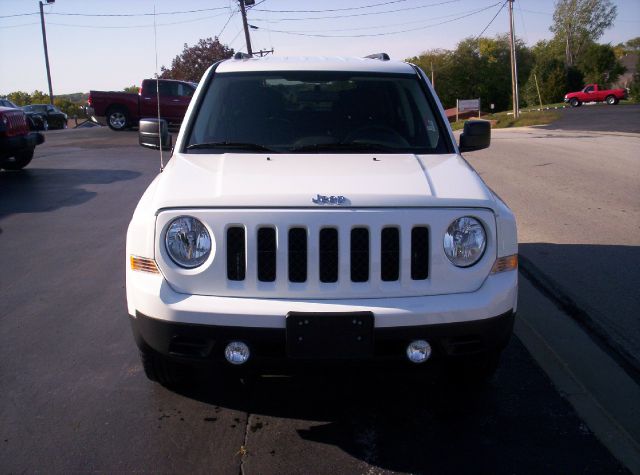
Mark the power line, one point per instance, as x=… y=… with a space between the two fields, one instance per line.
x=19 y=14
x=374 y=27
x=21 y=24
x=330 y=9
x=524 y=28
x=118 y=14
x=150 y=25
x=227 y=22
x=385 y=33
x=236 y=37
x=494 y=17
x=360 y=14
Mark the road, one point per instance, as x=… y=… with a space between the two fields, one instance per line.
x=576 y=195
x=74 y=397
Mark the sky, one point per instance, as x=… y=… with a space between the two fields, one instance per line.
x=109 y=44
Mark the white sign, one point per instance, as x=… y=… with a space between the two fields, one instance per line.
x=465 y=105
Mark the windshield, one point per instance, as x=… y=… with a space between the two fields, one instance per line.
x=35 y=108
x=311 y=111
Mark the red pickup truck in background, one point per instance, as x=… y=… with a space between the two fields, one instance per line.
x=121 y=110
x=593 y=93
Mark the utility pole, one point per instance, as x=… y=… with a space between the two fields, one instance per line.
x=514 y=66
x=244 y=22
x=433 y=78
x=46 y=51
x=538 y=89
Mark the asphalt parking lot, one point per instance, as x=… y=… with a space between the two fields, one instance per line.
x=74 y=397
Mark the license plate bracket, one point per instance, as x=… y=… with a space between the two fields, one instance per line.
x=328 y=335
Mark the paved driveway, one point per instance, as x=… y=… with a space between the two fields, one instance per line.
x=74 y=397
x=575 y=188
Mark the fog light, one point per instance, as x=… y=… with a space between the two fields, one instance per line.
x=418 y=351
x=237 y=352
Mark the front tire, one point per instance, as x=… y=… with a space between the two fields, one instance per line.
x=575 y=102
x=17 y=162
x=611 y=100
x=160 y=370
x=118 y=119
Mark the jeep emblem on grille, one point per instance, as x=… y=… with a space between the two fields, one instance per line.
x=329 y=200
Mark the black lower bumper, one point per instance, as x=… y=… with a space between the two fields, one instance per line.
x=206 y=343
x=9 y=146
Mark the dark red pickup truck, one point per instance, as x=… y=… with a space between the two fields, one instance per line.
x=121 y=110
x=594 y=93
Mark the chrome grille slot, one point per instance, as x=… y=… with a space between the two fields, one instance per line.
x=419 y=253
x=359 y=254
x=297 y=255
x=328 y=255
x=390 y=254
x=266 y=254
x=236 y=253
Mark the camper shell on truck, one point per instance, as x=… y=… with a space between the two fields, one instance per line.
x=319 y=210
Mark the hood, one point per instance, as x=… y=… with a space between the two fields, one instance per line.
x=293 y=180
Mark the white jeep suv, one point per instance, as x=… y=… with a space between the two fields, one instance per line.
x=319 y=209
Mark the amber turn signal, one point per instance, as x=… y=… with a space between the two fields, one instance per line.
x=504 y=264
x=144 y=264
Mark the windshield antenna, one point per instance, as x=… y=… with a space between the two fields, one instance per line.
x=155 y=44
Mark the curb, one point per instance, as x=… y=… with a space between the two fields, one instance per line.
x=582 y=315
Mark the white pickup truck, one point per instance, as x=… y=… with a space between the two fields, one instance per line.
x=319 y=209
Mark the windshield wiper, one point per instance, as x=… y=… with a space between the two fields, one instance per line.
x=351 y=146
x=235 y=145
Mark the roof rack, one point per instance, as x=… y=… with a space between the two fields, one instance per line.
x=241 y=55
x=380 y=56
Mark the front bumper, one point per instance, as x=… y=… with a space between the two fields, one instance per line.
x=9 y=146
x=91 y=113
x=206 y=343
x=198 y=327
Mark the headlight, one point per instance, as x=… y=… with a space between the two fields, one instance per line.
x=188 y=242
x=465 y=241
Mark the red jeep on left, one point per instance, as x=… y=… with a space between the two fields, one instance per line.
x=17 y=141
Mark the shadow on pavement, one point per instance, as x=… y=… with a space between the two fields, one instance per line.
x=516 y=424
x=34 y=190
x=597 y=285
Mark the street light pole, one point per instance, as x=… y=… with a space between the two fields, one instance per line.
x=246 y=26
x=46 y=51
x=514 y=66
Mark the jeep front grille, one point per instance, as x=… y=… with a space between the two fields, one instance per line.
x=327 y=254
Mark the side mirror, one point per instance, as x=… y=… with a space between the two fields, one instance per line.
x=475 y=136
x=150 y=137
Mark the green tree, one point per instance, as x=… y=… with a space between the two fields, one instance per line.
x=67 y=106
x=440 y=61
x=634 y=88
x=576 y=23
x=20 y=98
x=476 y=68
x=633 y=45
x=39 y=97
x=554 y=79
x=133 y=89
x=599 y=64
x=191 y=64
